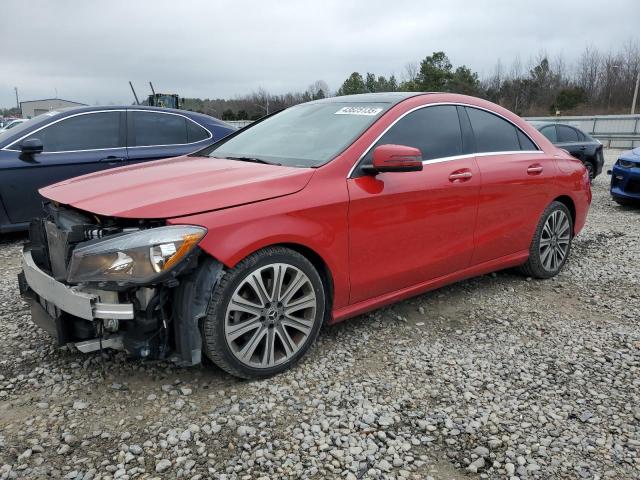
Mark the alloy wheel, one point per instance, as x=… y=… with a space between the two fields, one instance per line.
x=555 y=240
x=270 y=315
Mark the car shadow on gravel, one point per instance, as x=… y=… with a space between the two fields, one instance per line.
x=13 y=237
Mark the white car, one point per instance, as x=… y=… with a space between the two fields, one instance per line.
x=13 y=123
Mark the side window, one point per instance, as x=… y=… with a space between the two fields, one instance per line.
x=493 y=134
x=566 y=134
x=434 y=130
x=151 y=128
x=195 y=132
x=525 y=142
x=92 y=131
x=550 y=132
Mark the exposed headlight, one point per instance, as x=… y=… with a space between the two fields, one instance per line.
x=138 y=257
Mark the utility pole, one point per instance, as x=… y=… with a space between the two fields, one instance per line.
x=635 y=93
x=18 y=101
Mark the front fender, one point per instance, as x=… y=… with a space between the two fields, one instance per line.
x=317 y=222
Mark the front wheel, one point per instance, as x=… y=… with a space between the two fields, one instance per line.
x=264 y=314
x=551 y=243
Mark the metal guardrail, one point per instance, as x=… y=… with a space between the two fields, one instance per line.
x=614 y=131
x=239 y=123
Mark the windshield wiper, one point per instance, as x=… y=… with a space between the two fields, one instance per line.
x=254 y=160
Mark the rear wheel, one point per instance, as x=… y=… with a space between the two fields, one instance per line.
x=264 y=314
x=551 y=243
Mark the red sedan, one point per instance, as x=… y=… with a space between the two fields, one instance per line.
x=315 y=214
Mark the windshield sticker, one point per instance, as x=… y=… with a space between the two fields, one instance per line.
x=369 y=111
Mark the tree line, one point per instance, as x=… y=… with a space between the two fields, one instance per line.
x=256 y=104
x=595 y=83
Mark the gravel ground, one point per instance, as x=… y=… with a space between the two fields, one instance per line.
x=495 y=377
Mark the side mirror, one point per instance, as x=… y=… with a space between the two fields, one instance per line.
x=31 y=146
x=396 y=158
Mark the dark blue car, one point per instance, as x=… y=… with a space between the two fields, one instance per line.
x=625 y=178
x=71 y=142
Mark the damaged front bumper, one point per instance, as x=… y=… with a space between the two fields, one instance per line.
x=51 y=301
x=159 y=320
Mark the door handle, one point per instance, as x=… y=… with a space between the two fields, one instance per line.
x=535 y=169
x=460 y=176
x=112 y=160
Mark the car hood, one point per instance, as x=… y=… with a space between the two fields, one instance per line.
x=631 y=154
x=176 y=187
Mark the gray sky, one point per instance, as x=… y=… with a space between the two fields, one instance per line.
x=89 y=50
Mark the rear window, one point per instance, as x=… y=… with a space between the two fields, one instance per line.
x=566 y=134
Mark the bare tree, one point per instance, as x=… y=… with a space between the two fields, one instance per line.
x=609 y=78
x=588 y=70
x=410 y=72
x=317 y=88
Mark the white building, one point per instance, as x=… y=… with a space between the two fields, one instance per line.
x=31 y=108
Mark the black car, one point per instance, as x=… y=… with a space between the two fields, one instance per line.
x=578 y=143
x=62 y=144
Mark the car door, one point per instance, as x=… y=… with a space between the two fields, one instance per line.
x=154 y=134
x=410 y=227
x=515 y=176
x=74 y=145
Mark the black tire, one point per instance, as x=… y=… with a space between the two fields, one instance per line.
x=534 y=266
x=215 y=344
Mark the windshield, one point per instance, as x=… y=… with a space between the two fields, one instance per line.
x=20 y=127
x=13 y=124
x=306 y=135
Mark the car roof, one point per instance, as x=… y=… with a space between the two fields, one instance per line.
x=66 y=111
x=58 y=114
x=541 y=123
x=380 y=97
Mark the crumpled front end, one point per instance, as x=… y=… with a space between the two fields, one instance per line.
x=132 y=285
